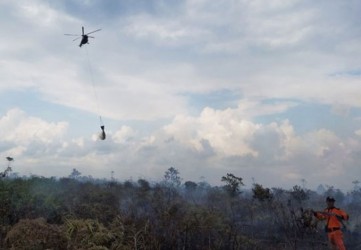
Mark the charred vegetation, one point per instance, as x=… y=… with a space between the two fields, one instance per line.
x=83 y=213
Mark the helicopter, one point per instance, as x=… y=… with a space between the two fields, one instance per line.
x=84 y=37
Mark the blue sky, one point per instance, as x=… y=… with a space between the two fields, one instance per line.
x=266 y=90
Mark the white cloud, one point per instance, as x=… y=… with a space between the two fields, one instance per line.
x=211 y=144
x=29 y=135
x=221 y=129
x=164 y=32
x=17 y=127
x=38 y=13
x=267 y=150
x=144 y=63
x=358 y=132
x=223 y=45
x=124 y=134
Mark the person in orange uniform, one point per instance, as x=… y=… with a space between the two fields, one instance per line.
x=334 y=217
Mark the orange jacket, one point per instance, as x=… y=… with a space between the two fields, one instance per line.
x=333 y=217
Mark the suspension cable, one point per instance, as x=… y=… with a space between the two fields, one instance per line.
x=93 y=87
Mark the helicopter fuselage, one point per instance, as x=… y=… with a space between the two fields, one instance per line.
x=84 y=40
x=84 y=36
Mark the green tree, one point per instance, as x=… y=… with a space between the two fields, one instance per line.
x=190 y=185
x=172 y=177
x=36 y=234
x=299 y=194
x=75 y=174
x=233 y=184
x=260 y=193
x=88 y=234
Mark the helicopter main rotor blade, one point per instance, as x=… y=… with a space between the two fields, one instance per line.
x=93 y=31
x=91 y=36
x=82 y=28
x=76 y=38
x=70 y=35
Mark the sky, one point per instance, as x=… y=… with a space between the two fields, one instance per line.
x=267 y=90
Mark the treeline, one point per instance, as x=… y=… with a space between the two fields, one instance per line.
x=82 y=213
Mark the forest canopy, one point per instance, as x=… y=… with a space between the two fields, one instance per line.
x=79 y=212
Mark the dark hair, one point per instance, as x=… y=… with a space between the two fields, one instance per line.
x=330 y=198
